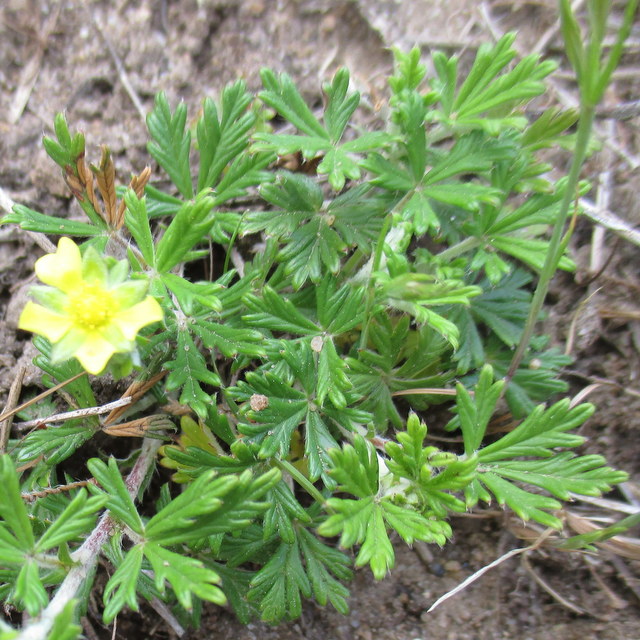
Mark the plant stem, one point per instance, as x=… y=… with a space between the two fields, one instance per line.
x=375 y=265
x=556 y=246
x=301 y=479
x=458 y=249
x=87 y=555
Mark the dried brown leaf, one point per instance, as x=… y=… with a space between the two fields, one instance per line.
x=105 y=174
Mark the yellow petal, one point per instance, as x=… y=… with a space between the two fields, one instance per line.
x=40 y=320
x=62 y=269
x=131 y=320
x=94 y=353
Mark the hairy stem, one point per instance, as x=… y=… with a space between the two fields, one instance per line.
x=87 y=555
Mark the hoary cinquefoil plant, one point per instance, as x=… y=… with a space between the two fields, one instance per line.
x=348 y=295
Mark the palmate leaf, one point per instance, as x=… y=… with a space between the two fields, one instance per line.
x=223 y=135
x=188 y=577
x=188 y=371
x=530 y=455
x=171 y=143
x=428 y=177
x=501 y=308
x=292 y=391
x=314 y=236
x=303 y=567
x=273 y=427
x=427 y=475
x=365 y=521
x=490 y=86
x=396 y=359
x=339 y=160
x=312 y=249
x=283 y=511
x=78 y=518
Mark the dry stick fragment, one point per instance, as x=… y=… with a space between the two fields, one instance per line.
x=43 y=493
x=550 y=590
x=31 y=70
x=135 y=391
x=40 y=396
x=627 y=576
x=473 y=577
x=614 y=599
x=122 y=74
x=165 y=613
x=78 y=413
x=12 y=401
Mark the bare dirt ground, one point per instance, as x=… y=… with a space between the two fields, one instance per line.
x=102 y=63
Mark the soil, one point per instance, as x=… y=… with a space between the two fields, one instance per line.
x=92 y=59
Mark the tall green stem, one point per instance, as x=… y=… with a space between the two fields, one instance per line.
x=556 y=246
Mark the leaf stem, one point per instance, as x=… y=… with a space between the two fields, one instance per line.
x=302 y=480
x=458 y=249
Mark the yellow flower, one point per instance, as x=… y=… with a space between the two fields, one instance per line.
x=90 y=310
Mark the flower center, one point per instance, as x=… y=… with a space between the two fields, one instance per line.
x=91 y=306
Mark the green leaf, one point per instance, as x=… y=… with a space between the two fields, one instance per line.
x=29 y=591
x=31 y=220
x=78 y=518
x=230 y=341
x=64 y=626
x=120 y=590
x=188 y=577
x=397 y=359
x=12 y=509
x=212 y=506
x=187 y=371
x=171 y=143
x=340 y=106
x=475 y=413
x=283 y=511
x=323 y=563
x=278 y=585
x=119 y=503
x=136 y=220
x=235 y=585
x=282 y=95
x=221 y=138
x=409 y=71
x=55 y=444
x=201 y=497
x=188 y=227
